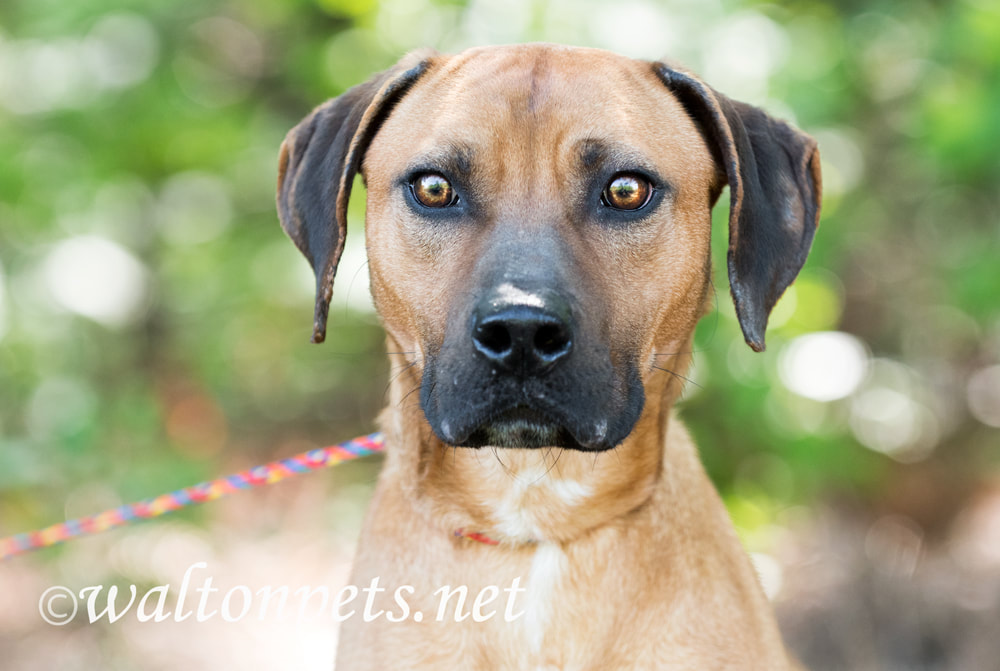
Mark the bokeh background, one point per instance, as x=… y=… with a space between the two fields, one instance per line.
x=154 y=320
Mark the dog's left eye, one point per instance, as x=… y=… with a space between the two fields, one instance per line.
x=433 y=190
x=627 y=191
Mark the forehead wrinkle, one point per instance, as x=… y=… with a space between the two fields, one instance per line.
x=457 y=158
x=538 y=88
x=591 y=153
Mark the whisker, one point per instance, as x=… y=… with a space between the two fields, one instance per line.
x=556 y=461
x=407 y=394
x=350 y=287
x=400 y=369
x=392 y=378
x=506 y=469
x=678 y=375
x=618 y=455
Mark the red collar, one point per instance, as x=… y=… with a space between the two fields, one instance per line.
x=474 y=536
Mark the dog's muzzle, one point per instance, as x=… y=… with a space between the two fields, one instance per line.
x=524 y=373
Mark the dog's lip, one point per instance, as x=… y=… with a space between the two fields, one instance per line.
x=522 y=413
x=522 y=426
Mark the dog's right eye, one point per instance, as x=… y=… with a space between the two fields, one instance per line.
x=433 y=190
x=627 y=191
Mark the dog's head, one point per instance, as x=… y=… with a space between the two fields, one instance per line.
x=538 y=228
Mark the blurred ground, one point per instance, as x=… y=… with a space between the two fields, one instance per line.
x=875 y=594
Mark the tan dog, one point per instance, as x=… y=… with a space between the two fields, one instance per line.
x=538 y=236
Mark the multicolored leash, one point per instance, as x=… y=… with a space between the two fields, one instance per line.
x=274 y=471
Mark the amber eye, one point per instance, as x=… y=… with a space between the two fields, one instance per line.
x=433 y=190
x=627 y=192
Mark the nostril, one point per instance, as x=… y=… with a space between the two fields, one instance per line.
x=521 y=339
x=494 y=337
x=551 y=341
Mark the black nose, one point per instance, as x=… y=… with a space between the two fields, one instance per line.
x=523 y=339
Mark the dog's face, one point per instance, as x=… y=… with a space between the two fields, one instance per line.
x=514 y=198
x=538 y=228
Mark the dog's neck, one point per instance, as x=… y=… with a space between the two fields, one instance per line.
x=523 y=496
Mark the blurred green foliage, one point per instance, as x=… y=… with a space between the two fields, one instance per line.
x=154 y=319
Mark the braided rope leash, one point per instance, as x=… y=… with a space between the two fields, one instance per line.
x=211 y=490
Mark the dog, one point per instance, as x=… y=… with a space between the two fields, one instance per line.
x=538 y=225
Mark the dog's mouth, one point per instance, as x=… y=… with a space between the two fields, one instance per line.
x=580 y=408
x=522 y=426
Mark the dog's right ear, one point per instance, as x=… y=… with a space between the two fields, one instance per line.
x=317 y=164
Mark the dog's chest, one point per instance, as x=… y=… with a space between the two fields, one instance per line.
x=523 y=511
x=548 y=567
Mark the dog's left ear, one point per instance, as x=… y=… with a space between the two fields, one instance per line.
x=317 y=164
x=775 y=187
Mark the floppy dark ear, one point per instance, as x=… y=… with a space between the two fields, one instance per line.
x=775 y=188
x=316 y=167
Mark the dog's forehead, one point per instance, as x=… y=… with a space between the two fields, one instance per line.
x=545 y=95
x=529 y=78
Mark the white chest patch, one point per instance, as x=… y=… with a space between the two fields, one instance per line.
x=518 y=521
x=571 y=492
x=547 y=568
